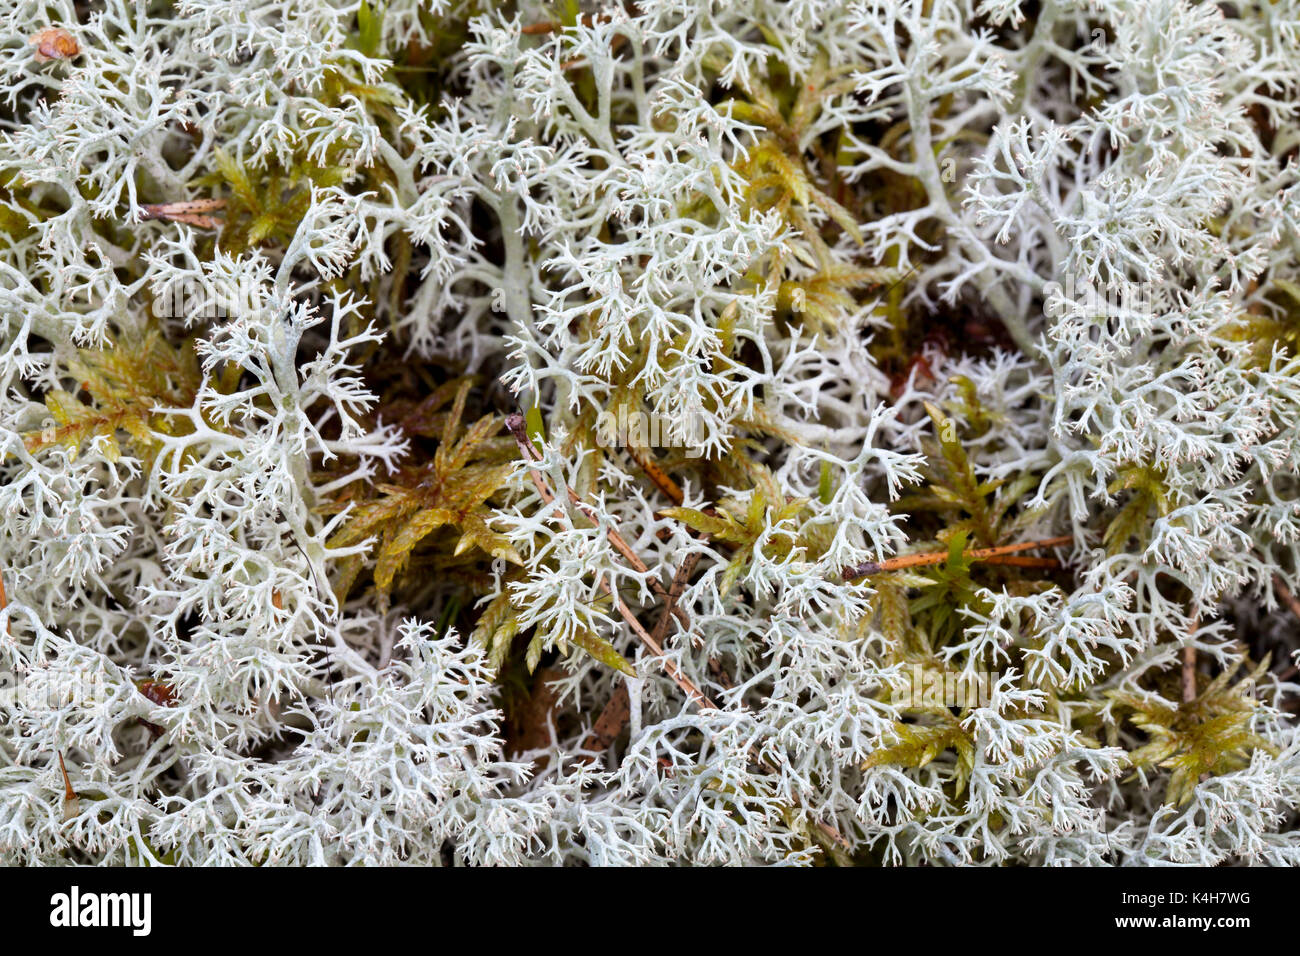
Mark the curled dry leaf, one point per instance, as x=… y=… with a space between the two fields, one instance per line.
x=192 y=212
x=54 y=43
x=158 y=693
x=71 y=799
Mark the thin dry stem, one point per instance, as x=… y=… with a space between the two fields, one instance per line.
x=515 y=423
x=1279 y=586
x=938 y=557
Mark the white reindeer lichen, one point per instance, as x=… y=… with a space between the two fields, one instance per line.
x=967 y=331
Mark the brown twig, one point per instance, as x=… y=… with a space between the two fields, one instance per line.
x=1290 y=600
x=658 y=477
x=673 y=492
x=554 y=26
x=938 y=557
x=614 y=717
x=661 y=480
x=1283 y=591
x=681 y=578
x=515 y=423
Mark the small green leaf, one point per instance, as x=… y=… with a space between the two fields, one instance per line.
x=957 y=545
x=533 y=423
x=603 y=651
x=370 y=28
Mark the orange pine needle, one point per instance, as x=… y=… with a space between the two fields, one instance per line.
x=938 y=557
x=658 y=477
x=1019 y=561
x=68 y=793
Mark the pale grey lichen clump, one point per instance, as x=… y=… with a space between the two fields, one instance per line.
x=241 y=241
